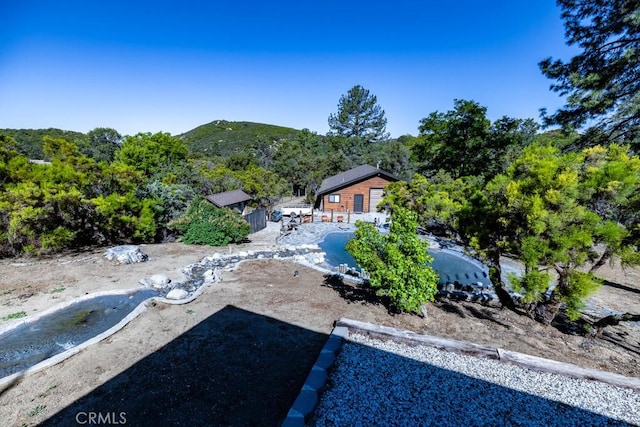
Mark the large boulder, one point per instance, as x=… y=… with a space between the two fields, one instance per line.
x=157 y=281
x=177 y=294
x=126 y=254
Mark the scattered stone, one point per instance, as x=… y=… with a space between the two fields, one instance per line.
x=126 y=254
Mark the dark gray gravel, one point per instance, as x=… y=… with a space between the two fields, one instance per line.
x=391 y=384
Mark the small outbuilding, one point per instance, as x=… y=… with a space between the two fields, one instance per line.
x=356 y=190
x=236 y=200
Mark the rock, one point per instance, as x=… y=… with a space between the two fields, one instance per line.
x=126 y=254
x=177 y=294
x=243 y=254
x=212 y=275
x=157 y=281
x=208 y=276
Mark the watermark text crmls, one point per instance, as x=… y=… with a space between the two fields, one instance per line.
x=101 y=418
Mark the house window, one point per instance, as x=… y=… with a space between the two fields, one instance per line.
x=334 y=198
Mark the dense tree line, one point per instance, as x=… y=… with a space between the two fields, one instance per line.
x=103 y=188
x=138 y=188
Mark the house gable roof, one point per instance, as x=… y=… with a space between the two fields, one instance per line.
x=228 y=198
x=351 y=176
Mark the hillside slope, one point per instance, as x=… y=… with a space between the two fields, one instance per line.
x=222 y=138
x=30 y=140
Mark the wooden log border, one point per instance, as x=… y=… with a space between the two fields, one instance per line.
x=533 y=363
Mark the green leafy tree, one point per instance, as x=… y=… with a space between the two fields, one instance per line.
x=437 y=201
x=393 y=157
x=151 y=152
x=359 y=115
x=464 y=142
x=264 y=186
x=264 y=150
x=241 y=161
x=126 y=218
x=563 y=139
x=302 y=161
x=397 y=262
x=44 y=205
x=217 y=178
x=70 y=202
x=345 y=153
x=8 y=152
x=175 y=199
x=542 y=212
x=292 y=161
x=102 y=144
x=562 y=215
x=610 y=184
x=601 y=82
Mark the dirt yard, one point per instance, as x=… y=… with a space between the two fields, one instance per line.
x=239 y=354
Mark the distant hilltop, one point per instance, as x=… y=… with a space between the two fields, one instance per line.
x=217 y=138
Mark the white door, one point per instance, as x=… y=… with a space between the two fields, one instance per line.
x=375 y=196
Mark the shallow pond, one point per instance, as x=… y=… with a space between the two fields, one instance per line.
x=30 y=343
x=450 y=265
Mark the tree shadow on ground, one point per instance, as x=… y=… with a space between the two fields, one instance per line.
x=357 y=292
x=485 y=314
x=450 y=307
x=620 y=286
x=620 y=339
x=234 y=368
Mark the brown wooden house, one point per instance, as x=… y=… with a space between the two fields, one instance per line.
x=235 y=200
x=356 y=190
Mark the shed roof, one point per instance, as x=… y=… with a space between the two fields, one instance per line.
x=351 y=176
x=228 y=198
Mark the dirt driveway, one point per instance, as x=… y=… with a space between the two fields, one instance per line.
x=239 y=354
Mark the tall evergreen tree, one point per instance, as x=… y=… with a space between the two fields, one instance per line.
x=602 y=82
x=359 y=115
x=464 y=142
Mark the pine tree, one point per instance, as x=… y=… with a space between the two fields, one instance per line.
x=602 y=82
x=360 y=116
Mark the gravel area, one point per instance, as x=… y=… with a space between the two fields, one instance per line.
x=392 y=384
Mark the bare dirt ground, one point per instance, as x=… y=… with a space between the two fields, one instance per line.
x=239 y=354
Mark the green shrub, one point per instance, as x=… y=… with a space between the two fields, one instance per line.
x=57 y=239
x=208 y=225
x=397 y=262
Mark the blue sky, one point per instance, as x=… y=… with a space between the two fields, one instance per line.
x=170 y=66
